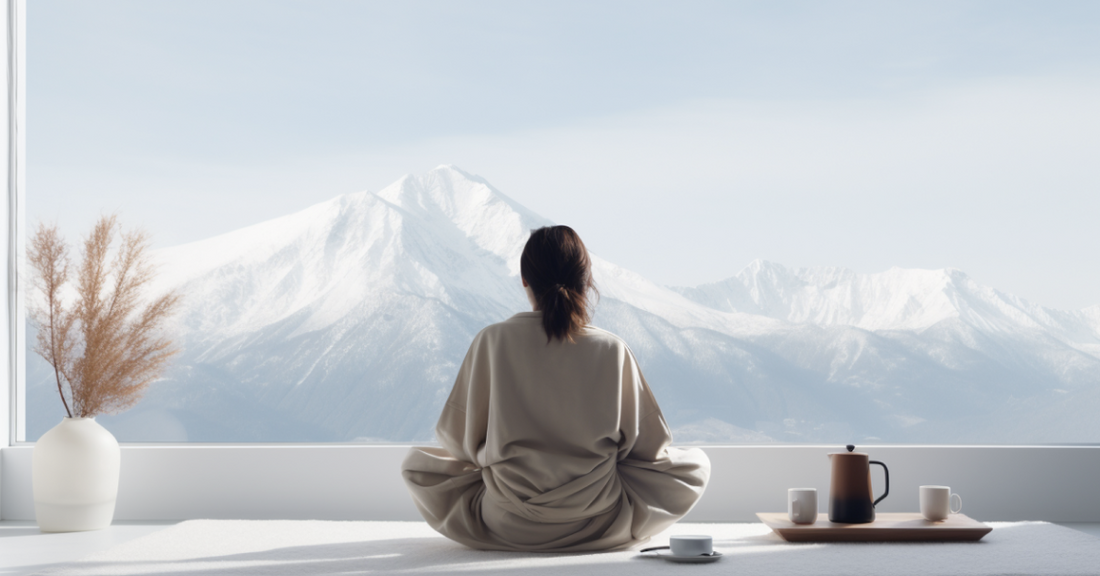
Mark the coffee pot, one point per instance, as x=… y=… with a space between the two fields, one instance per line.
x=850 y=496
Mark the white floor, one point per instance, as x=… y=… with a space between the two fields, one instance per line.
x=25 y=550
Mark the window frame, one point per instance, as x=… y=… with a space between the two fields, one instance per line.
x=363 y=482
x=14 y=27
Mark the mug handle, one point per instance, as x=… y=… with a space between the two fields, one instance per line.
x=886 y=471
x=952 y=508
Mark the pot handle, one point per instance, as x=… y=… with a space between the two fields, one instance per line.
x=885 y=471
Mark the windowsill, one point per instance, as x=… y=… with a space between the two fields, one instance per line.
x=362 y=482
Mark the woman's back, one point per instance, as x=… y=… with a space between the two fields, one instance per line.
x=555 y=410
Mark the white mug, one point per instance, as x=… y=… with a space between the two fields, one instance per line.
x=802 y=505
x=936 y=502
x=691 y=545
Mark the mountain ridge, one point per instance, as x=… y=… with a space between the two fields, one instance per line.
x=348 y=319
x=915 y=299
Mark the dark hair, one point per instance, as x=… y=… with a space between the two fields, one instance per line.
x=556 y=266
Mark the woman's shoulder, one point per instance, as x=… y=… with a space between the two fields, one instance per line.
x=604 y=336
x=524 y=322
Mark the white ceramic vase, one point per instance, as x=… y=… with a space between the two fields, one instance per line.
x=75 y=474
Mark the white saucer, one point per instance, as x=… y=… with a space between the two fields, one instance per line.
x=712 y=557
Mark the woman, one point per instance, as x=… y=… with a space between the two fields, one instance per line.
x=551 y=439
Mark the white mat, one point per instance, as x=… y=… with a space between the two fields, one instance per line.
x=247 y=547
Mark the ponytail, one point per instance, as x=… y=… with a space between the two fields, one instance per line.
x=556 y=266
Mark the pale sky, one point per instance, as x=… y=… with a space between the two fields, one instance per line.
x=681 y=139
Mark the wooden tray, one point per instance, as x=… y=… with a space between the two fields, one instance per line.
x=887 y=527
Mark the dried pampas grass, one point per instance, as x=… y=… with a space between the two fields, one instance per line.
x=106 y=348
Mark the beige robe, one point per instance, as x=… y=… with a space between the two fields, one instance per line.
x=552 y=446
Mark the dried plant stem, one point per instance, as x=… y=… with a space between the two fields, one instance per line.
x=121 y=352
x=60 y=391
x=53 y=334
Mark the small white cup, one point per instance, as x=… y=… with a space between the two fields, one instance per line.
x=691 y=545
x=936 y=502
x=802 y=505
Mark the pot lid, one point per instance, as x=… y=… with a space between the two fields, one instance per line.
x=851 y=452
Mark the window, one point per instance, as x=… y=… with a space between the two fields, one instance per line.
x=814 y=224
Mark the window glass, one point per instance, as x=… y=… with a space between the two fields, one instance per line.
x=812 y=222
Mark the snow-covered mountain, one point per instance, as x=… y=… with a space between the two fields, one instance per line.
x=897 y=299
x=348 y=320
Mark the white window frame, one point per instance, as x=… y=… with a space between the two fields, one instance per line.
x=337 y=481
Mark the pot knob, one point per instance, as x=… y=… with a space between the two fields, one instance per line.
x=851 y=447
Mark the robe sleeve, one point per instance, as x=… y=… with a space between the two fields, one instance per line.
x=661 y=481
x=463 y=425
x=645 y=434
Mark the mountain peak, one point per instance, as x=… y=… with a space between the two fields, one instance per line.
x=896 y=299
x=453 y=172
x=444 y=184
x=759 y=265
x=453 y=168
x=447 y=193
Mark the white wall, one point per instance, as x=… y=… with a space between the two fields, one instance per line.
x=364 y=482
